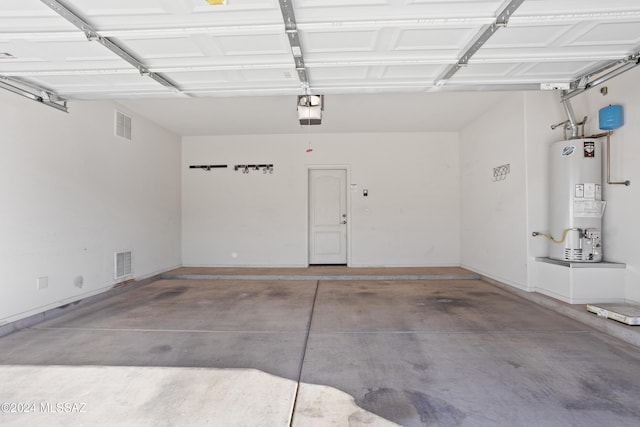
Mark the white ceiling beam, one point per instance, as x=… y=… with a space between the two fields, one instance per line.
x=569 y=18
x=145 y=33
x=444 y=22
x=384 y=62
x=456 y=22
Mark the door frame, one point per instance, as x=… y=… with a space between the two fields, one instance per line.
x=308 y=170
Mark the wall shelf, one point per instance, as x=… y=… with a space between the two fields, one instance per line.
x=570 y=264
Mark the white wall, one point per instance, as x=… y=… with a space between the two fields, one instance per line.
x=410 y=218
x=493 y=221
x=497 y=219
x=73 y=194
x=621 y=234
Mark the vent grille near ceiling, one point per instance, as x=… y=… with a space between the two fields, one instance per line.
x=123 y=265
x=123 y=125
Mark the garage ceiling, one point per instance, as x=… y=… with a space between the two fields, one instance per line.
x=243 y=48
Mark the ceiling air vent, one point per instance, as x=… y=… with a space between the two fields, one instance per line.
x=123 y=265
x=123 y=125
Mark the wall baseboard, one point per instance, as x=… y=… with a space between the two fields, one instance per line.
x=52 y=313
x=578 y=312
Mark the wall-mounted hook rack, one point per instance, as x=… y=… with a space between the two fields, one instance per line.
x=247 y=168
x=208 y=167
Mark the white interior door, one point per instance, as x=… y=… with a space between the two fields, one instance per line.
x=327 y=216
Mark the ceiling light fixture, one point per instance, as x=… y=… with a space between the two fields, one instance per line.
x=216 y=2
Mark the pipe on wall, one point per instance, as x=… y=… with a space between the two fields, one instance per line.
x=568 y=109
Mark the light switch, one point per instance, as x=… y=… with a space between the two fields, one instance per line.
x=365 y=193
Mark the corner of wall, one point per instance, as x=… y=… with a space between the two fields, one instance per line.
x=493 y=202
x=83 y=195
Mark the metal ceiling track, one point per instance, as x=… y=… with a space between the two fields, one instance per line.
x=291 y=28
x=93 y=35
x=33 y=92
x=485 y=34
x=601 y=75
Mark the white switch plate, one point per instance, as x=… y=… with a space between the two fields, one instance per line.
x=43 y=282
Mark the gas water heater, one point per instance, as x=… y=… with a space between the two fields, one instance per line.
x=576 y=205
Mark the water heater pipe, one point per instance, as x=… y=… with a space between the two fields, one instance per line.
x=550 y=237
x=627 y=182
x=568 y=109
x=608 y=135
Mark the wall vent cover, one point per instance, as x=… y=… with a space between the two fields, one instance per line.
x=123 y=265
x=123 y=125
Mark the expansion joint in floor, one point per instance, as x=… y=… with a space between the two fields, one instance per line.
x=304 y=353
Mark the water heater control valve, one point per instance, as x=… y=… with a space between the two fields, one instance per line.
x=592 y=246
x=592 y=233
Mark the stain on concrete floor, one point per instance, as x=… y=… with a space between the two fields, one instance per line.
x=413 y=353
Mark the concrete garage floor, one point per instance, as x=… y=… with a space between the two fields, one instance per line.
x=194 y=352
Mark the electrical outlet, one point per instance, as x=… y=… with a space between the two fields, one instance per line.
x=43 y=282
